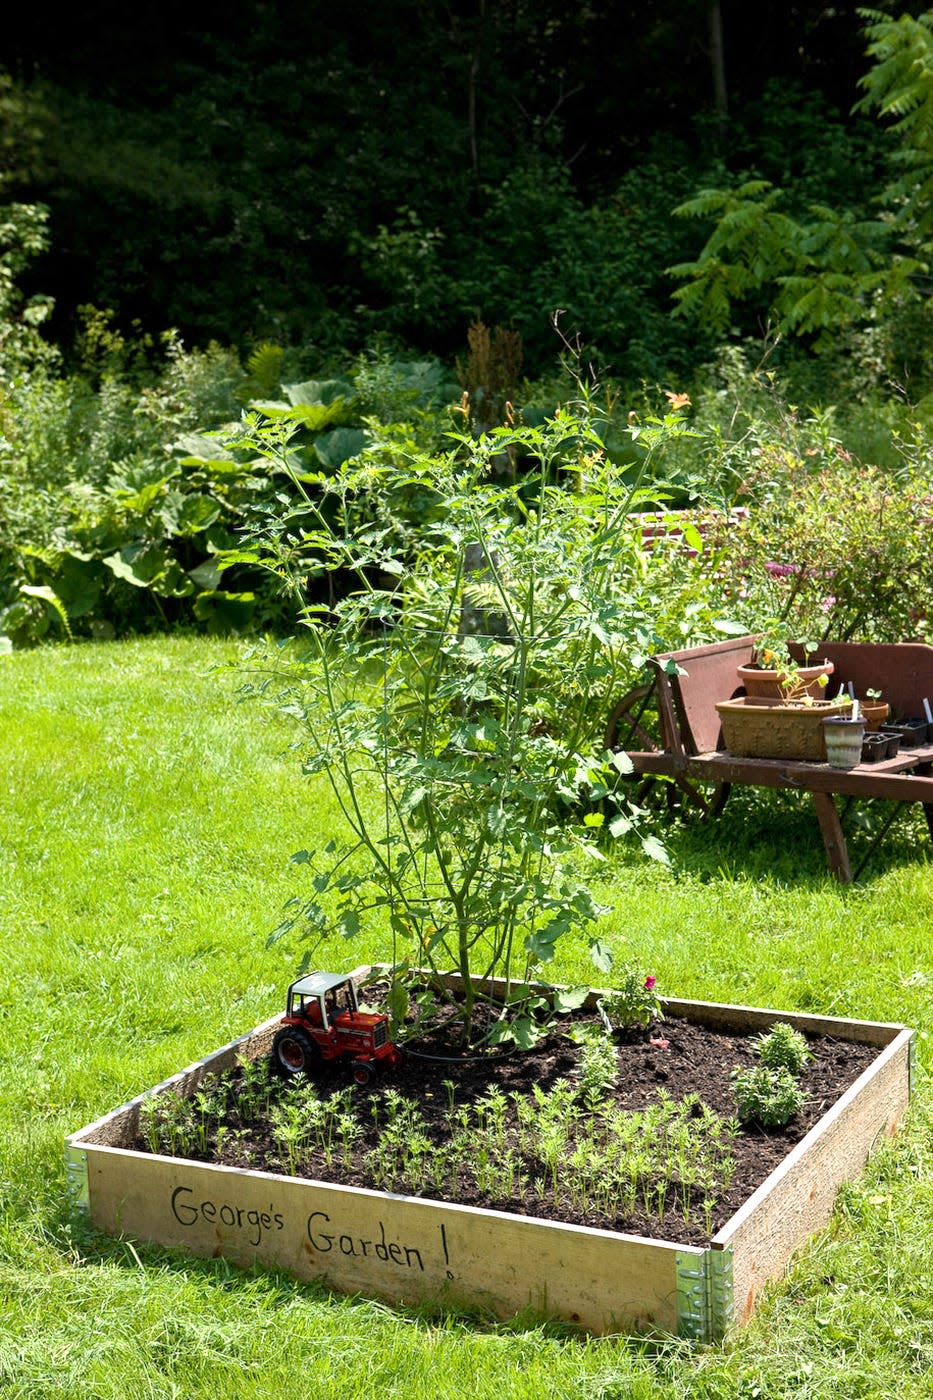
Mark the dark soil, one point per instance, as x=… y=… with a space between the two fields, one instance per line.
x=694 y=1059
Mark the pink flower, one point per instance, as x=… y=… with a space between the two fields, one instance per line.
x=660 y=1043
x=649 y=982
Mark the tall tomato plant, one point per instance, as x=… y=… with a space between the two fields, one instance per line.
x=455 y=699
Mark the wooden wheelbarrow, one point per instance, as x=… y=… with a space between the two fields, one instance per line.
x=675 y=722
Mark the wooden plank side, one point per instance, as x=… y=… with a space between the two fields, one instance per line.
x=119 y=1128
x=709 y=673
x=797 y=1198
x=867 y=780
x=403 y=1249
x=753 y=1019
x=728 y=1015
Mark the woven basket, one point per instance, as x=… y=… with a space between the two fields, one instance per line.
x=761 y=728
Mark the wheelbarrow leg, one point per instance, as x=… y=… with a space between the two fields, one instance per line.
x=837 y=853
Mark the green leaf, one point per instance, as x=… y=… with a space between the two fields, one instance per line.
x=601 y=955
x=139 y=564
x=339 y=446
x=197 y=445
x=48 y=595
x=315 y=417
x=197 y=513
x=653 y=848
x=525 y=1032
x=349 y=923
x=224 y=612
x=730 y=629
x=78 y=582
x=207 y=575
x=397 y=1000
x=570 y=998
x=541 y=943
x=318 y=392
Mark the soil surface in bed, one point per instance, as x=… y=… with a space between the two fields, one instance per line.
x=677 y=1057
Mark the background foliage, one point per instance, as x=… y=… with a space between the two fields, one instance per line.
x=195 y=223
x=313 y=175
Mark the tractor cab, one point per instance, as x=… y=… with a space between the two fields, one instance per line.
x=320 y=998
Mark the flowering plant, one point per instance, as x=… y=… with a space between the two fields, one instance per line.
x=772 y=653
x=634 y=1002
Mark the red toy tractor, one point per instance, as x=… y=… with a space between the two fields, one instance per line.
x=323 y=1021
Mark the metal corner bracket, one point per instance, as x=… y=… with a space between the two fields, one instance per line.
x=705 y=1305
x=76 y=1178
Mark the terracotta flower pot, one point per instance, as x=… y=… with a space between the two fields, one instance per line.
x=875 y=712
x=762 y=683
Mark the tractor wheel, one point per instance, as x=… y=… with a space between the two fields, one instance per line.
x=362 y=1072
x=294 y=1051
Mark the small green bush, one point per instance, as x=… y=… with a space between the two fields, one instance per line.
x=633 y=1002
x=768 y=1097
x=783 y=1046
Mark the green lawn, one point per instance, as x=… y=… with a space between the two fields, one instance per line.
x=146 y=819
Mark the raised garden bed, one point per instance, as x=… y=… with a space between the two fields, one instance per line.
x=410 y=1249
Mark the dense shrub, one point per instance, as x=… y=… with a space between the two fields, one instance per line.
x=837 y=549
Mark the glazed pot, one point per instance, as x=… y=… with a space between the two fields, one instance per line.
x=843 y=739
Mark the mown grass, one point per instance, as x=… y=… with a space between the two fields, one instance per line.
x=146 y=819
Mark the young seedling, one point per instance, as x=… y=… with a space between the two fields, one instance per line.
x=632 y=1004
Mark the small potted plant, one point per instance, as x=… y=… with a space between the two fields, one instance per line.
x=773 y=674
x=875 y=710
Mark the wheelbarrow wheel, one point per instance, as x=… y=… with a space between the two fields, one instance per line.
x=634 y=725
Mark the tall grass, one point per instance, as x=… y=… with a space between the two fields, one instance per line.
x=146 y=819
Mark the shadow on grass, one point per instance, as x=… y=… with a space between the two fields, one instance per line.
x=773 y=834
